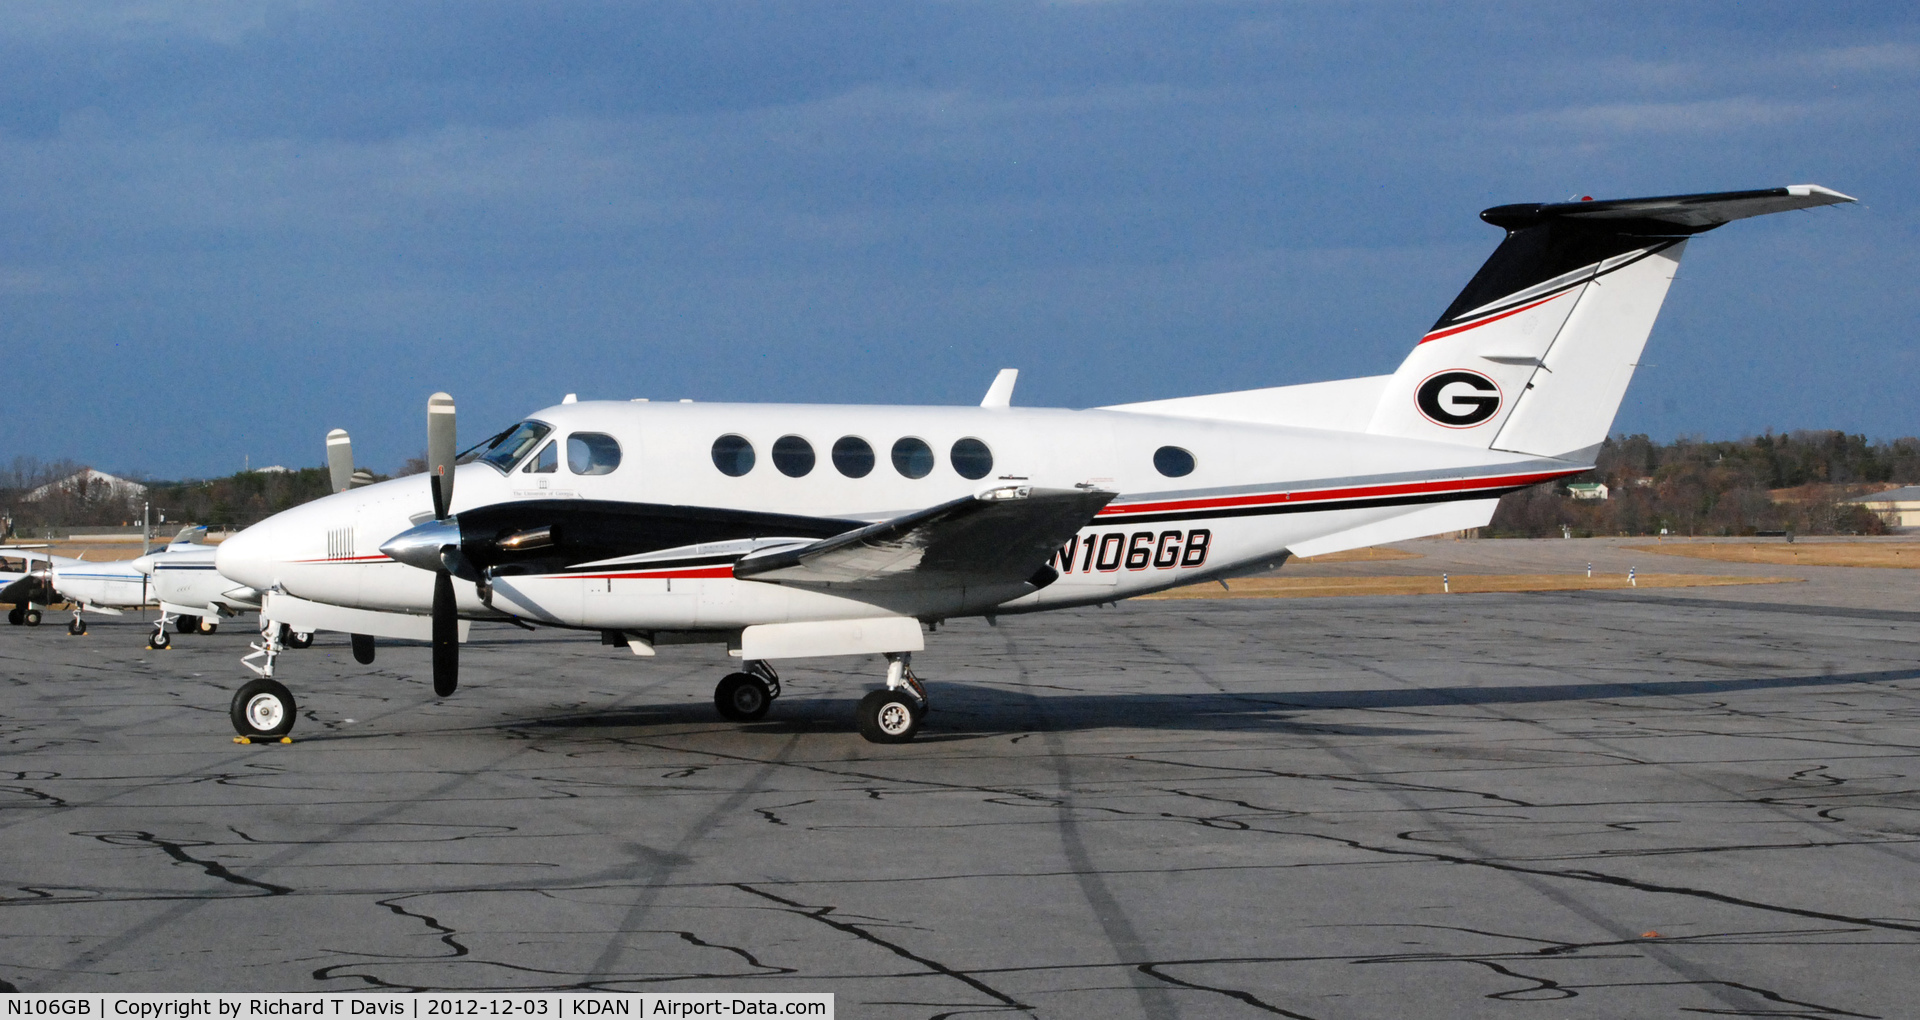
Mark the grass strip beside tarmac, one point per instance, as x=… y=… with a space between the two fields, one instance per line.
x=1799 y=554
x=1459 y=584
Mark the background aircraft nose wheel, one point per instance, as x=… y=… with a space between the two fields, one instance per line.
x=207 y=626
x=32 y=616
x=742 y=697
x=889 y=717
x=262 y=708
x=187 y=624
x=297 y=639
x=16 y=616
x=77 y=627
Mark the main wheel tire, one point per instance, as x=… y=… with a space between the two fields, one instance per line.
x=296 y=639
x=889 y=717
x=362 y=648
x=76 y=628
x=16 y=616
x=208 y=626
x=187 y=624
x=32 y=617
x=262 y=708
x=742 y=697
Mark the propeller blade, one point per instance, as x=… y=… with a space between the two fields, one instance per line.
x=441 y=449
x=340 y=459
x=446 y=636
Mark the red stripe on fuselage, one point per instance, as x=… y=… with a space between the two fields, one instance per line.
x=1332 y=495
x=346 y=559
x=724 y=570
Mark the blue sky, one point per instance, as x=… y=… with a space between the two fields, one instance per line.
x=228 y=227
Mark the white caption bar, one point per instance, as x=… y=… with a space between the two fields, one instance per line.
x=419 y=1005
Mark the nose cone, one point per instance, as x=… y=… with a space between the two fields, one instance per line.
x=144 y=564
x=420 y=546
x=248 y=557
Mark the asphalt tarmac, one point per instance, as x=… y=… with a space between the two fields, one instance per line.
x=1600 y=804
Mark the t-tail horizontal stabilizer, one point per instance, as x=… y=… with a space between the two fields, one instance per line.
x=1535 y=354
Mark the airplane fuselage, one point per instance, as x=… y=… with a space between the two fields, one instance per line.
x=1197 y=499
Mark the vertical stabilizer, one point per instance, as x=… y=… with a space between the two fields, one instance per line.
x=1535 y=354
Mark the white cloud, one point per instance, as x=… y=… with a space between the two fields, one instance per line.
x=1706 y=116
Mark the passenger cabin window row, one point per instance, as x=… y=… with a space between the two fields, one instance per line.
x=912 y=457
x=852 y=456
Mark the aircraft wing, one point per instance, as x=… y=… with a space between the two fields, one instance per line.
x=1001 y=537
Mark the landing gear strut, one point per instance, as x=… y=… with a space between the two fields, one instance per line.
x=746 y=696
x=263 y=707
x=78 y=626
x=893 y=716
x=159 y=641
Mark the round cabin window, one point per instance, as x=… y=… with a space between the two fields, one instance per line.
x=793 y=456
x=733 y=455
x=913 y=457
x=972 y=459
x=1173 y=462
x=853 y=457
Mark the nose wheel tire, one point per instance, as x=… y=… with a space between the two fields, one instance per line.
x=296 y=639
x=742 y=697
x=262 y=708
x=889 y=717
x=159 y=642
x=77 y=628
x=32 y=617
x=207 y=626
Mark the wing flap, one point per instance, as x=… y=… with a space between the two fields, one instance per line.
x=1001 y=537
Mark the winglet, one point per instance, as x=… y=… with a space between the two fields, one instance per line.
x=1000 y=394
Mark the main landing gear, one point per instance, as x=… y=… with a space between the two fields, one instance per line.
x=894 y=715
x=23 y=615
x=746 y=696
x=890 y=716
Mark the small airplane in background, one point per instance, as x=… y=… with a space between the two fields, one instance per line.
x=37 y=579
x=793 y=531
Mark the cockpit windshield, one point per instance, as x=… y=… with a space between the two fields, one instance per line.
x=505 y=450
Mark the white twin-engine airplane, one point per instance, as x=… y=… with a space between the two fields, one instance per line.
x=789 y=531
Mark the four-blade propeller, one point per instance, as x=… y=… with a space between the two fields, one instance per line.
x=446 y=619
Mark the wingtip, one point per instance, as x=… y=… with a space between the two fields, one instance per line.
x=1810 y=190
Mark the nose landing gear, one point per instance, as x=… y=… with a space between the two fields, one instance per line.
x=263 y=707
x=160 y=641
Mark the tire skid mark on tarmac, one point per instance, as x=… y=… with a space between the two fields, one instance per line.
x=824 y=915
x=1122 y=937
x=1734 y=994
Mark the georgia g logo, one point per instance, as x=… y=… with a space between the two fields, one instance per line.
x=1457 y=398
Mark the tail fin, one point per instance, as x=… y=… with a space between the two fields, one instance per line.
x=1535 y=354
